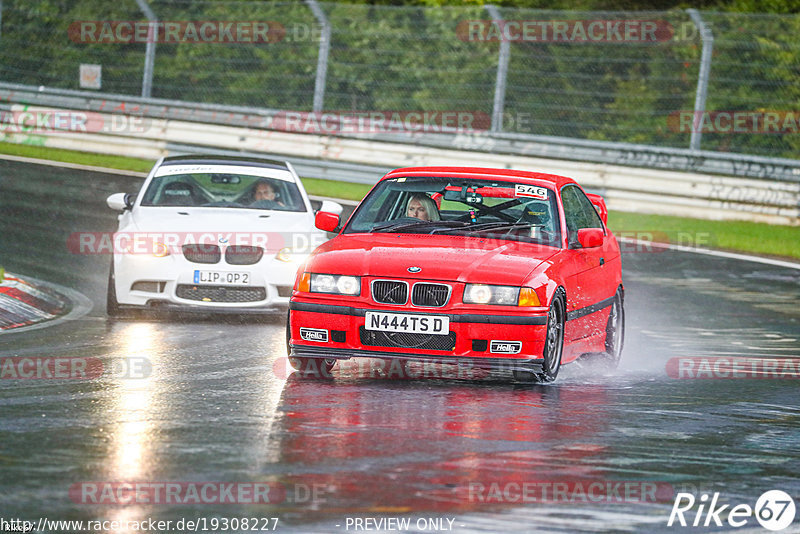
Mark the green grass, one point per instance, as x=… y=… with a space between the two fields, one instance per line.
x=757 y=238
x=329 y=188
x=73 y=156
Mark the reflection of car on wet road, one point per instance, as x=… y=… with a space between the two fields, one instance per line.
x=212 y=233
x=486 y=267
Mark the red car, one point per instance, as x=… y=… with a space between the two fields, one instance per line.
x=491 y=268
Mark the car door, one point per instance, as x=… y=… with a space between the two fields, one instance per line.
x=587 y=287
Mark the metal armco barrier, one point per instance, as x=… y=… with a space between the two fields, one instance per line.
x=364 y=159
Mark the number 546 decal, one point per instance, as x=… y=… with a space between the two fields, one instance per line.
x=530 y=191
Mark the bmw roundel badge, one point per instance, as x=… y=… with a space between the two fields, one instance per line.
x=414 y=269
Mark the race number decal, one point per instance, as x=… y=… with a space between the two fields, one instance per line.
x=530 y=191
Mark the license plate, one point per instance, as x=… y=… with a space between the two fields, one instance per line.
x=224 y=278
x=412 y=324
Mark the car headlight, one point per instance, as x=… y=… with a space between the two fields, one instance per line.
x=160 y=249
x=285 y=254
x=335 y=284
x=500 y=295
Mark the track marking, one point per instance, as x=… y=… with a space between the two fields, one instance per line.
x=81 y=305
x=717 y=253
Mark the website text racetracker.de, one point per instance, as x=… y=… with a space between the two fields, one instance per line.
x=202 y=524
x=131 y=493
x=32 y=120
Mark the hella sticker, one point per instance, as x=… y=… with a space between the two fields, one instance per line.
x=505 y=347
x=314 y=334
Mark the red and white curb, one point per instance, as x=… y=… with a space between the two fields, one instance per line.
x=26 y=302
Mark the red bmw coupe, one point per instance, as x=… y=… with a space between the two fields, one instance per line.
x=490 y=268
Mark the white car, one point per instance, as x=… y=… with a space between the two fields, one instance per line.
x=212 y=233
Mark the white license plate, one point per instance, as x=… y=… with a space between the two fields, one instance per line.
x=413 y=324
x=223 y=278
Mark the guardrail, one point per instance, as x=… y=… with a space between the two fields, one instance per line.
x=365 y=157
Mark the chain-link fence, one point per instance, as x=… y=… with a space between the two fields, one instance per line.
x=615 y=76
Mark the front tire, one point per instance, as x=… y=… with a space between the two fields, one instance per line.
x=553 y=346
x=615 y=332
x=112 y=305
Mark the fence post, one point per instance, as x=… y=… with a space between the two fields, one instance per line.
x=502 y=71
x=322 y=56
x=150 y=51
x=1 y=18
x=702 y=77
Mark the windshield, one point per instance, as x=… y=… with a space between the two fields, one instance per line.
x=458 y=206
x=226 y=190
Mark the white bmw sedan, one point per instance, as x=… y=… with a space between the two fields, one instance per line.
x=214 y=234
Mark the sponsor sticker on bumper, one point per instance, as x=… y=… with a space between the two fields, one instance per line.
x=505 y=347
x=314 y=334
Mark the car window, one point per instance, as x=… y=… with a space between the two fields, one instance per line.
x=223 y=190
x=578 y=213
x=444 y=205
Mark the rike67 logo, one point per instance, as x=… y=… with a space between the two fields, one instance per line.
x=774 y=510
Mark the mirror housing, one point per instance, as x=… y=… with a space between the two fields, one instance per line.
x=599 y=204
x=120 y=201
x=330 y=206
x=326 y=221
x=590 y=237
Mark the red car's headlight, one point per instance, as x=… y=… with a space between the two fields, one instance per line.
x=500 y=295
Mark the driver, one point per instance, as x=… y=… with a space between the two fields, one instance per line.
x=421 y=206
x=265 y=191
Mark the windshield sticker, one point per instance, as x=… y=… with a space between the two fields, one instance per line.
x=530 y=191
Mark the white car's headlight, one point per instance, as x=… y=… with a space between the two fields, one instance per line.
x=335 y=284
x=285 y=254
x=486 y=294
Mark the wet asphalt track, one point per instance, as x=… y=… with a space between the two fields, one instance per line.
x=219 y=407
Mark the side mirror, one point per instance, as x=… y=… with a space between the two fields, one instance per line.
x=590 y=237
x=599 y=204
x=330 y=206
x=327 y=221
x=120 y=201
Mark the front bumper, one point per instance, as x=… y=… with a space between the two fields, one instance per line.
x=301 y=351
x=167 y=277
x=471 y=336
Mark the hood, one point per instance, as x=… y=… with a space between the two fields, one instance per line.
x=440 y=257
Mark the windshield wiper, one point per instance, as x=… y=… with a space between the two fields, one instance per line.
x=406 y=225
x=485 y=227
